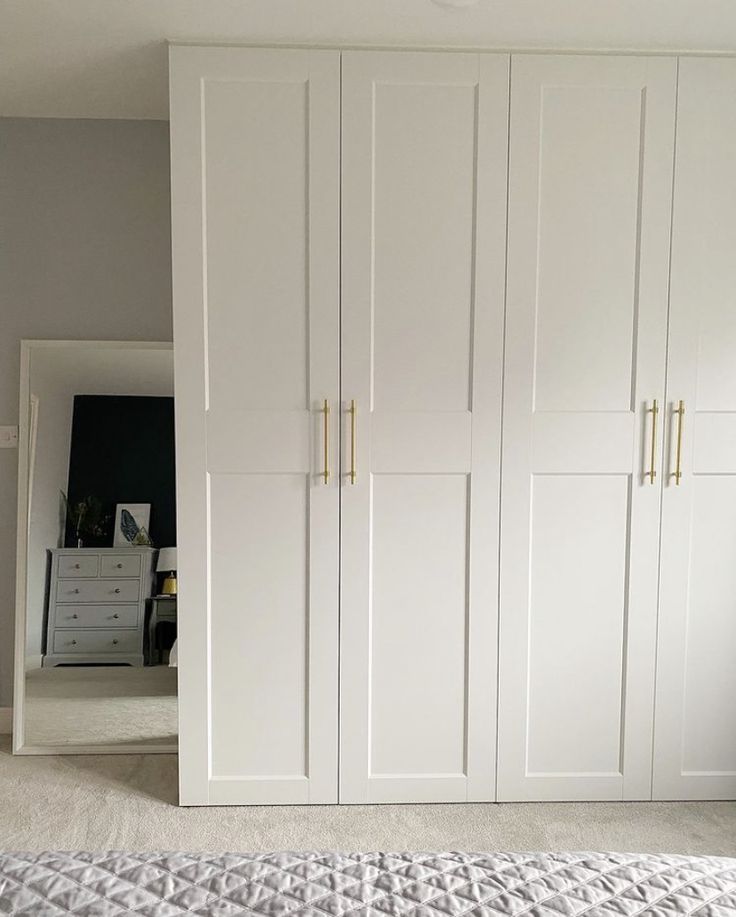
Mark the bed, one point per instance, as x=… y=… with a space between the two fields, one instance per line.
x=367 y=884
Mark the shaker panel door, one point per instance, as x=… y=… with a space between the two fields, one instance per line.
x=255 y=186
x=695 y=726
x=424 y=145
x=591 y=148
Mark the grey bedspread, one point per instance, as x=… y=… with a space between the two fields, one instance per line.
x=367 y=884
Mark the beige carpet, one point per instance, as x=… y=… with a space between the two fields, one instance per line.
x=97 y=802
x=101 y=705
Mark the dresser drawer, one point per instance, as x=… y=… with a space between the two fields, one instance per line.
x=96 y=616
x=120 y=565
x=78 y=565
x=109 y=590
x=97 y=641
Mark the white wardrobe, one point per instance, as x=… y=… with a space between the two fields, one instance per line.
x=442 y=344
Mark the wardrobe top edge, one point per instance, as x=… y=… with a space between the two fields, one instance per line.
x=460 y=49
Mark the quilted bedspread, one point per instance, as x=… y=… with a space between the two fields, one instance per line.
x=367 y=884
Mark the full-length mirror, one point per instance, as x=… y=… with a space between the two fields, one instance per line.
x=96 y=635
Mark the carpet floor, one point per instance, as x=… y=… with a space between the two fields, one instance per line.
x=99 y=802
x=101 y=705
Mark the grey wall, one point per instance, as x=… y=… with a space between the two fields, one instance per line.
x=84 y=254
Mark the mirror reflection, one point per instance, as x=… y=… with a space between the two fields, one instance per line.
x=101 y=621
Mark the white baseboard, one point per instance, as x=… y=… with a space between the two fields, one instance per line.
x=33 y=661
x=6 y=721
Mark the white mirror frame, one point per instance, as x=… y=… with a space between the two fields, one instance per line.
x=21 y=569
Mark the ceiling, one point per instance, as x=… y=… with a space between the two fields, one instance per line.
x=107 y=58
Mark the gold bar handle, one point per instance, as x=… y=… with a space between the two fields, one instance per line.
x=677 y=473
x=326 y=415
x=652 y=473
x=353 y=439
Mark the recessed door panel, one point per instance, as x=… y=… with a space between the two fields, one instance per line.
x=418 y=623
x=259 y=624
x=423 y=236
x=591 y=150
x=424 y=193
x=709 y=733
x=695 y=729
x=577 y=623
x=255 y=187
x=254 y=135
x=588 y=222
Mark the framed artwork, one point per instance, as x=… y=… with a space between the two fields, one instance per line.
x=131 y=524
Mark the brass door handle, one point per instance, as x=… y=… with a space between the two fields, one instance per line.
x=652 y=473
x=326 y=416
x=677 y=473
x=353 y=441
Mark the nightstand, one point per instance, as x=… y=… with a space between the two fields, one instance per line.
x=158 y=608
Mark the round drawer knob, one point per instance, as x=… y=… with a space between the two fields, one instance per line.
x=116 y=590
x=75 y=617
x=119 y=566
x=76 y=566
x=74 y=642
x=116 y=615
x=114 y=642
x=75 y=590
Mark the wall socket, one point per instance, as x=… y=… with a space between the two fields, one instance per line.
x=8 y=437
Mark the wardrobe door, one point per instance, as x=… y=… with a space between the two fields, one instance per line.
x=695 y=725
x=591 y=148
x=424 y=147
x=255 y=184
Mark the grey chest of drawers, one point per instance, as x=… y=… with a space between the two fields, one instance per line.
x=97 y=600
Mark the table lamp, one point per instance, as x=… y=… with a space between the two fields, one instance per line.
x=167 y=564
